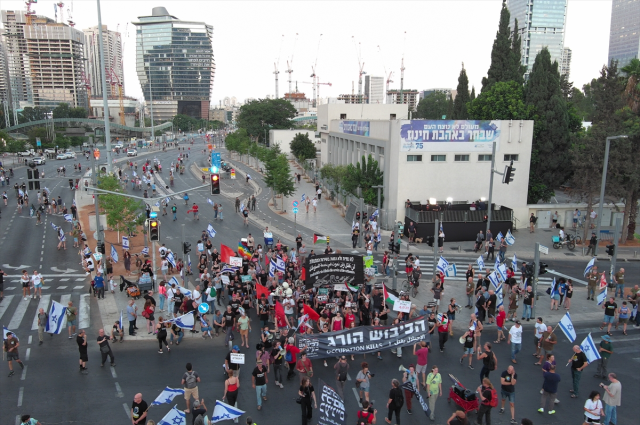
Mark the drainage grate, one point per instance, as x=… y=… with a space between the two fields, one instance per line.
x=570 y=254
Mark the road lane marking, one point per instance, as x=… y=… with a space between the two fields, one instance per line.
x=24 y=373
x=19 y=313
x=20 y=394
x=4 y=304
x=27 y=354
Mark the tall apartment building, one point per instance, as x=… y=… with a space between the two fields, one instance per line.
x=112 y=46
x=541 y=23
x=353 y=98
x=374 y=89
x=450 y=93
x=565 y=64
x=175 y=64
x=409 y=97
x=624 y=34
x=45 y=61
x=4 y=71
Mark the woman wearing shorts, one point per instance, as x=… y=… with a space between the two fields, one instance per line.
x=593 y=409
x=623 y=317
x=362 y=379
x=245 y=326
x=568 y=294
x=25 y=279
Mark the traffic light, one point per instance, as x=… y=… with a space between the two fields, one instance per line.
x=430 y=240
x=508 y=173
x=186 y=247
x=357 y=215
x=364 y=216
x=543 y=268
x=101 y=248
x=215 y=184
x=611 y=249
x=154 y=230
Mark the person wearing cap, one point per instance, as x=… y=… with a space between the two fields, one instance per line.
x=199 y=409
x=259 y=380
x=606 y=350
x=229 y=365
x=411 y=376
x=468 y=345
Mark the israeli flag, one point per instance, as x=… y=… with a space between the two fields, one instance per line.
x=589 y=266
x=230 y=269
x=68 y=218
x=280 y=264
x=502 y=270
x=441 y=228
x=174 y=417
x=442 y=265
x=114 y=254
x=135 y=174
x=186 y=321
x=567 y=327
x=353 y=225
x=189 y=259
x=514 y=262
x=499 y=290
x=493 y=278
x=121 y=325
x=183 y=290
x=510 y=239
x=602 y=296
x=54 y=226
x=496 y=264
x=209 y=201
x=74 y=202
x=171 y=259
x=210 y=231
x=223 y=412
x=242 y=206
x=158 y=204
x=499 y=236
x=480 y=262
x=5 y=331
x=272 y=268
x=145 y=251
x=553 y=287
x=167 y=200
x=451 y=271
x=125 y=242
x=57 y=314
x=375 y=214
x=590 y=350
x=167 y=395
x=303 y=197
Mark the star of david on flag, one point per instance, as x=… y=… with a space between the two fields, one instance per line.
x=602 y=296
x=210 y=231
x=590 y=350
x=499 y=295
x=514 y=262
x=167 y=395
x=5 y=331
x=499 y=236
x=502 y=270
x=567 y=327
x=480 y=262
x=590 y=266
x=223 y=411
x=68 y=218
x=114 y=254
x=174 y=417
x=171 y=259
x=186 y=321
x=145 y=251
x=442 y=265
x=56 y=317
x=510 y=239
x=184 y=291
x=493 y=278
x=496 y=264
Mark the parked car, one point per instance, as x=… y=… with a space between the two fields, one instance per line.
x=49 y=150
x=29 y=152
x=132 y=152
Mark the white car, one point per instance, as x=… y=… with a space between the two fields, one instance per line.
x=132 y=152
x=39 y=161
x=119 y=146
x=70 y=155
x=61 y=155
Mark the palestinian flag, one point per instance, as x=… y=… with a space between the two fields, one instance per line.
x=319 y=238
x=389 y=296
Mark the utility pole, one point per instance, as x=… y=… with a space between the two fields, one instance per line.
x=379 y=200
x=493 y=163
x=105 y=102
x=99 y=239
x=435 y=247
x=614 y=257
x=394 y=279
x=184 y=274
x=360 y=221
x=536 y=272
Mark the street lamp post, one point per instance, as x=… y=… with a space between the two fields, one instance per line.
x=605 y=166
x=105 y=102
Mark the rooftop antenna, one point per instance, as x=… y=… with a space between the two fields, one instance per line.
x=290 y=63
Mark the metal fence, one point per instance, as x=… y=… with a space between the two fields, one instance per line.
x=386 y=218
x=456 y=216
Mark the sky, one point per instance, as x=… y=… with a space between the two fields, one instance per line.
x=433 y=36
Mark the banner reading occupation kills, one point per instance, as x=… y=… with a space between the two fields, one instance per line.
x=331 y=406
x=364 y=339
x=334 y=269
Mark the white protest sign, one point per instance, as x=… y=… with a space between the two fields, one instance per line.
x=200 y=247
x=225 y=279
x=237 y=358
x=402 y=306
x=235 y=261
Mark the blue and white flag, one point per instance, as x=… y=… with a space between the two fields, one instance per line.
x=442 y=265
x=242 y=206
x=158 y=204
x=480 y=262
x=554 y=287
x=272 y=268
x=167 y=395
x=125 y=242
x=567 y=327
x=510 y=239
x=441 y=228
x=602 y=296
x=209 y=201
x=497 y=263
x=68 y=218
x=114 y=254
x=121 y=323
x=375 y=214
x=210 y=231
x=303 y=197
x=145 y=251
x=280 y=266
x=135 y=174
x=171 y=259
x=502 y=271
x=229 y=269
x=590 y=350
x=174 y=417
x=451 y=271
x=5 y=331
x=499 y=290
x=74 y=202
x=184 y=291
x=514 y=262
x=189 y=260
x=494 y=279
x=592 y=262
x=54 y=226
x=186 y=321
x=499 y=236
x=56 y=317
x=167 y=200
x=223 y=412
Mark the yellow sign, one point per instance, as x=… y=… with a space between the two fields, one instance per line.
x=206 y=170
x=233 y=174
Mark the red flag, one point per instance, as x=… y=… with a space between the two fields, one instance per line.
x=261 y=289
x=226 y=253
x=281 y=318
x=311 y=312
x=303 y=274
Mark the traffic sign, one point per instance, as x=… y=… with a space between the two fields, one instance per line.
x=295 y=211
x=544 y=249
x=295 y=203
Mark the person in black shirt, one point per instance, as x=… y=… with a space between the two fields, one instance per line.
x=328 y=250
x=578 y=362
x=259 y=380
x=299 y=241
x=395 y=402
x=81 y=339
x=263 y=312
x=365 y=314
x=229 y=322
x=484 y=391
x=235 y=303
x=198 y=409
x=138 y=410
x=105 y=349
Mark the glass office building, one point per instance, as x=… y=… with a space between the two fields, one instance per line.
x=541 y=23
x=624 y=35
x=175 y=65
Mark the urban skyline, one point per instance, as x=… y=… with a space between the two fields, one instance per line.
x=245 y=58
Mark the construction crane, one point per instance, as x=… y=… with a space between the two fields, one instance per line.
x=314 y=76
x=317 y=84
x=60 y=6
x=29 y=13
x=275 y=65
x=290 y=62
x=115 y=81
x=361 y=68
x=402 y=68
x=389 y=80
x=69 y=13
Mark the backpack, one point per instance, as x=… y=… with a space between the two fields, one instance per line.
x=494 y=398
x=342 y=375
x=362 y=419
x=491 y=364
x=190 y=381
x=288 y=357
x=398 y=399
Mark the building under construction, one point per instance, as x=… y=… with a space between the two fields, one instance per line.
x=353 y=98
x=407 y=96
x=45 y=61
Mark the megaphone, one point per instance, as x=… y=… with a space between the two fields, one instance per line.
x=402 y=368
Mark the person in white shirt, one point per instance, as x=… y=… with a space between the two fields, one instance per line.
x=540 y=328
x=315 y=204
x=36 y=281
x=515 y=339
x=211 y=298
x=288 y=305
x=196 y=295
x=561 y=235
x=163 y=251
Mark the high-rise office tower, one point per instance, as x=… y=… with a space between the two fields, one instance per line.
x=541 y=23
x=565 y=64
x=624 y=35
x=112 y=46
x=4 y=71
x=175 y=64
x=374 y=89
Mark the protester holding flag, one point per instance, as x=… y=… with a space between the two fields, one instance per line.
x=578 y=362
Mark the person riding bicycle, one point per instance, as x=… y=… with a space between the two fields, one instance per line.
x=416 y=274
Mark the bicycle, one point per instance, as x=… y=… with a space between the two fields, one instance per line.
x=409 y=286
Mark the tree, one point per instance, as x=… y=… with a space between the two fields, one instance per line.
x=183 y=122
x=122 y=212
x=335 y=174
x=32 y=114
x=551 y=134
x=302 y=147
x=503 y=101
x=517 y=69
x=473 y=93
x=364 y=175
x=278 y=177
x=432 y=106
x=258 y=116
x=61 y=111
x=38 y=132
x=78 y=113
x=462 y=96
x=632 y=89
x=501 y=53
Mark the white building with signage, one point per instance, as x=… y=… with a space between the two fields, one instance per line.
x=283 y=139
x=445 y=160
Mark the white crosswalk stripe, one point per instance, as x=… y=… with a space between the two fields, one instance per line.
x=83 y=312
x=18 y=308
x=19 y=314
x=4 y=304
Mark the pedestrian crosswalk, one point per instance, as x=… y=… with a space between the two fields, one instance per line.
x=21 y=316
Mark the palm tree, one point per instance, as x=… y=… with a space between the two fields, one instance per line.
x=632 y=90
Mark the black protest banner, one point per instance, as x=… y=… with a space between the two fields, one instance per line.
x=331 y=269
x=410 y=387
x=331 y=406
x=364 y=339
